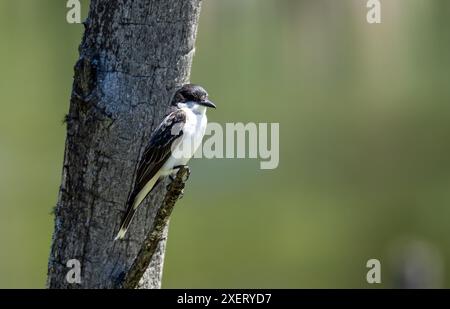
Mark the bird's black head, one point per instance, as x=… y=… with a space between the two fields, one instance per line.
x=192 y=93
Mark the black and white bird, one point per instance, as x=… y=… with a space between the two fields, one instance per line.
x=171 y=145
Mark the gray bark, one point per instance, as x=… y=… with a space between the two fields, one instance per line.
x=133 y=56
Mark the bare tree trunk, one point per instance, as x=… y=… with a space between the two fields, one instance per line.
x=133 y=56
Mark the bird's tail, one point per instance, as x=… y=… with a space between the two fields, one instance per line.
x=125 y=223
x=134 y=201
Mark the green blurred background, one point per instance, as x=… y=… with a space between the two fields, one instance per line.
x=364 y=168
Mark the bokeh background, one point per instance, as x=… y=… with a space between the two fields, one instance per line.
x=364 y=168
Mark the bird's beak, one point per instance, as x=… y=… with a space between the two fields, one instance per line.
x=207 y=103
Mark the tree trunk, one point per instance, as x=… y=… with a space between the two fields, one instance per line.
x=133 y=56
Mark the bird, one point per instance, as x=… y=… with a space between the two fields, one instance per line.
x=171 y=145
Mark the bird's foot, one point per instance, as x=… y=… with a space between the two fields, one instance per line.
x=181 y=194
x=177 y=168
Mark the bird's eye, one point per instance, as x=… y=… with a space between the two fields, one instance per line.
x=188 y=97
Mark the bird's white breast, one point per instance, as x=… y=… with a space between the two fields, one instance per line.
x=193 y=132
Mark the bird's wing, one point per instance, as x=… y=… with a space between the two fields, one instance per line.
x=159 y=148
x=155 y=155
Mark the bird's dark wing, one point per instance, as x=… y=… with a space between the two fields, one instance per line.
x=155 y=155
x=159 y=148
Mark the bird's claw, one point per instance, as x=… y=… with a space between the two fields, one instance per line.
x=181 y=194
x=188 y=174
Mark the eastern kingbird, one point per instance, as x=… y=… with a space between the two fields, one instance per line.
x=171 y=145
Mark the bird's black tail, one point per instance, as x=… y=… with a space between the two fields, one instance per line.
x=133 y=203
x=125 y=223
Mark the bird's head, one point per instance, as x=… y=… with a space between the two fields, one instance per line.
x=193 y=97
